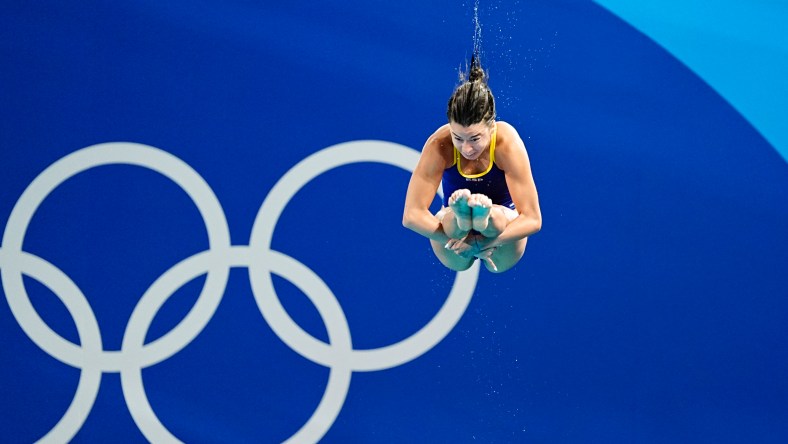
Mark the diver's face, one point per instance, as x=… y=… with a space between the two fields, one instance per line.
x=471 y=141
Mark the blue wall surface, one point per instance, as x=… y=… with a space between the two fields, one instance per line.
x=201 y=225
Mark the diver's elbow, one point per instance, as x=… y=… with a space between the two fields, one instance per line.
x=407 y=220
x=534 y=224
x=537 y=224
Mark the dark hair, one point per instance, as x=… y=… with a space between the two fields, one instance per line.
x=472 y=101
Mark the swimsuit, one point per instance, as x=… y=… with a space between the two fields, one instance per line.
x=491 y=183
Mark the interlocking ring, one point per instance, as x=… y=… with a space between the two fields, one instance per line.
x=338 y=354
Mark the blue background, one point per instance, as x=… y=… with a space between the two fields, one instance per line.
x=652 y=307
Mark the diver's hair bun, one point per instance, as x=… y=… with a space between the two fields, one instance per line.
x=475 y=72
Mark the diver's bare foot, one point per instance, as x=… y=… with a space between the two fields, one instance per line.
x=480 y=209
x=458 y=202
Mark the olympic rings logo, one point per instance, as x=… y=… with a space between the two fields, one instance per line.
x=90 y=357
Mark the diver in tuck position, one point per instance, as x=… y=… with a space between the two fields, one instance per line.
x=490 y=204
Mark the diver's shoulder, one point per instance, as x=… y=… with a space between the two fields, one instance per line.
x=507 y=133
x=443 y=131
x=441 y=138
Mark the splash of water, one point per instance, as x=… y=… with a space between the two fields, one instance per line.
x=477 y=30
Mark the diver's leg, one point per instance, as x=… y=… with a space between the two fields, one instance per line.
x=507 y=256
x=490 y=220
